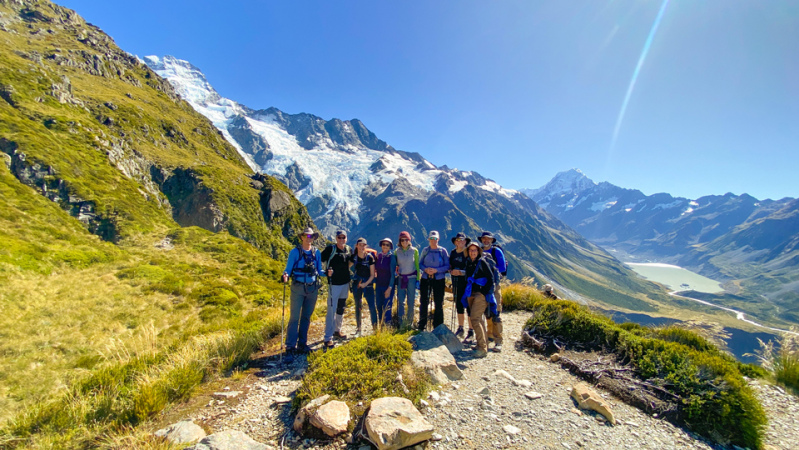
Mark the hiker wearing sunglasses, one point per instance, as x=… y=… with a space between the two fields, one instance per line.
x=304 y=267
x=385 y=269
x=434 y=263
x=362 y=283
x=336 y=257
x=407 y=257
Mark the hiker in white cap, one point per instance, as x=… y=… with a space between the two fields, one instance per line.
x=434 y=264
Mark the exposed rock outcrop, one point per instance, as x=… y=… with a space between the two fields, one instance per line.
x=432 y=356
x=394 y=423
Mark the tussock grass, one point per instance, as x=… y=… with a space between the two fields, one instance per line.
x=363 y=370
x=783 y=361
x=715 y=399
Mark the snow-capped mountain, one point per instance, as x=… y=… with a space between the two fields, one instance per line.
x=726 y=237
x=350 y=179
x=327 y=163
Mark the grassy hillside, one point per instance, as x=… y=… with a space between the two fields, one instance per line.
x=130 y=232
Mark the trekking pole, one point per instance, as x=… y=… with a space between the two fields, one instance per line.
x=283 y=324
x=454 y=305
x=429 y=324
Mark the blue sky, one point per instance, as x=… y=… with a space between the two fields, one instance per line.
x=516 y=90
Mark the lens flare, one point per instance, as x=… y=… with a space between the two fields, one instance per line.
x=637 y=72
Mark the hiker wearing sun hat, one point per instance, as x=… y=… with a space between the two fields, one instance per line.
x=304 y=267
x=494 y=251
x=457 y=269
x=434 y=263
x=385 y=269
x=407 y=257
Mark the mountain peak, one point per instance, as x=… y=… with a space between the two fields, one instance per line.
x=572 y=181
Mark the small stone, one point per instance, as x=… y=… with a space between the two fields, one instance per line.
x=576 y=411
x=485 y=391
x=279 y=400
x=555 y=357
x=533 y=395
x=424 y=403
x=436 y=437
x=510 y=429
x=523 y=383
x=505 y=375
x=434 y=396
x=183 y=432
x=631 y=424
x=227 y=394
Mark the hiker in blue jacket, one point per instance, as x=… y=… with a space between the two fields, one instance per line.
x=434 y=264
x=493 y=250
x=304 y=267
x=478 y=295
x=385 y=272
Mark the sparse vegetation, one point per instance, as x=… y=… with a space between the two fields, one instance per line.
x=715 y=400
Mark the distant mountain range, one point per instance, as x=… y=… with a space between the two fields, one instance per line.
x=349 y=178
x=752 y=245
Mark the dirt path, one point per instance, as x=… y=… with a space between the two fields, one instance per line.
x=528 y=407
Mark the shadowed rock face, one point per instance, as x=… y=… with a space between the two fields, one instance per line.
x=243 y=133
x=192 y=202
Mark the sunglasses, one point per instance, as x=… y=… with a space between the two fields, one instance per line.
x=309 y=236
x=341 y=238
x=432 y=239
x=385 y=245
x=405 y=240
x=460 y=239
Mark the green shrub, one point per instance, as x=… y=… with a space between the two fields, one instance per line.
x=715 y=399
x=364 y=369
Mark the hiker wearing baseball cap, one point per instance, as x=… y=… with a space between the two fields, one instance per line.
x=407 y=257
x=362 y=283
x=434 y=264
x=385 y=269
x=336 y=257
x=304 y=267
x=457 y=269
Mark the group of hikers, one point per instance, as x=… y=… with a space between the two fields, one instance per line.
x=475 y=268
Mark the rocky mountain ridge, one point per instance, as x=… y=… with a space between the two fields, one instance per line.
x=736 y=239
x=348 y=178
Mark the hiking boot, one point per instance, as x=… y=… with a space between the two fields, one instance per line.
x=479 y=353
x=357 y=334
x=339 y=335
x=303 y=349
x=459 y=333
x=329 y=344
x=288 y=356
x=490 y=339
x=470 y=334
x=497 y=348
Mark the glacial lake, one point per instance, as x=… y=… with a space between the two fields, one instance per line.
x=675 y=277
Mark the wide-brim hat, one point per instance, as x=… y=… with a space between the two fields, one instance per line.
x=459 y=236
x=479 y=249
x=308 y=231
x=487 y=234
x=386 y=240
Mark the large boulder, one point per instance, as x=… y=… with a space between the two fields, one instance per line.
x=448 y=338
x=183 y=432
x=588 y=399
x=229 y=440
x=394 y=423
x=432 y=356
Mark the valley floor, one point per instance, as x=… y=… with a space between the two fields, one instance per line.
x=463 y=418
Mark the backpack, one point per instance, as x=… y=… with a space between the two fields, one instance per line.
x=426 y=250
x=492 y=252
x=308 y=267
x=333 y=254
x=493 y=266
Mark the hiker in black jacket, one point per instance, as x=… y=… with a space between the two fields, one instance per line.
x=457 y=269
x=478 y=295
x=336 y=260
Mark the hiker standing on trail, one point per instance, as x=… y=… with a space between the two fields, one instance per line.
x=493 y=250
x=385 y=270
x=434 y=263
x=407 y=257
x=304 y=267
x=478 y=295
x=362 y=283
x=336 y=258
x=457 y=269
